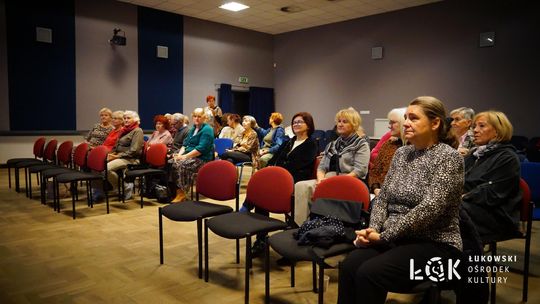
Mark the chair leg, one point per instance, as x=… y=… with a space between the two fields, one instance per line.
x=199 y=244
x=55 y=195
x=205 y=250
x=321 y=284
x=17 y=181
x=106 y=195
x=267 y=271
x=293 y=281
x=247 y=268
x=9 y=176
x=160 y=221
x=526 y=263
x=29 y=187
x=237 y=251
x=73 y=204
x=493 y=282
x=143 y=186
x=314 y=276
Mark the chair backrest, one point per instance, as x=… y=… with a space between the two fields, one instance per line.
x=316 y=164
x=270 y=189
x=221 y=144
x=64 y=153
x=50 y=150
x=156 y=156
x=530 y=172
x=218 y=180
x=97 y=158
x=343 y=187
x=526 y=212
x=79 y=156
x=39 y=145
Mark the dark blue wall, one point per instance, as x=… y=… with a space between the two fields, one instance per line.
x=41 y=75
x=160 y=80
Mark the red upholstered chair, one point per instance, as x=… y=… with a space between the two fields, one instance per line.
x=343 y=188
x=49 y=158
x=526 y=218
x=216 y=180
x=39 y=145
x=97 y=163
x=269 y=189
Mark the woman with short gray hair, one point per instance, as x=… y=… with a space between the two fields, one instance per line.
x=462 y=128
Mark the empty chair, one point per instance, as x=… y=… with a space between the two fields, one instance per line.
x=63 y=157
x=530 y=172
x=49 y=155
x=38 y=148
x=222 y=144
x=351 y=196
x=224 y=189
x=97 y=163
x=269 y=189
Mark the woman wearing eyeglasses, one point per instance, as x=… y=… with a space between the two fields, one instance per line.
x=492 y=172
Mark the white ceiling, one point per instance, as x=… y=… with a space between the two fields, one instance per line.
x=266 y=15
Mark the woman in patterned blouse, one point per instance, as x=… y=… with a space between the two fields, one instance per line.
x=99 y=132
x=246 y=145
x=415 y=216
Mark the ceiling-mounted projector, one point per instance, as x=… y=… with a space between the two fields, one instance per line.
x=118 y=39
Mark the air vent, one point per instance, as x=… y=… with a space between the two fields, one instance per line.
x=291 y=9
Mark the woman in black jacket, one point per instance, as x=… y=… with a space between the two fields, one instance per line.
x=492 y=171
x=298 y=154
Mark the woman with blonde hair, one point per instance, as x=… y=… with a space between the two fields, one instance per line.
x=196 y=151
x=348 y=154
x=381 y=164
x=492 y=173
x=101 y=130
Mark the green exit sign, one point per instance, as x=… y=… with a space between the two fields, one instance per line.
x=243 y=79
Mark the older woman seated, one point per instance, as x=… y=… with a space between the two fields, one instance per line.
x=416 y=214
x=272 y=138
x=381 y=164
x=492 y=172
x=99 y=132
x=161 y=135
x=349 y=154
x=118 y=124
x=127 y=151
x=246 y=146
x=196 y=151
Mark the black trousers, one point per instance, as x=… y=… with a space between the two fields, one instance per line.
x=236 y=157
x=368 y=274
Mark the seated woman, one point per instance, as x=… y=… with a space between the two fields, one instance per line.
x=161 y=135
x=348 y=154
x=272 y=138
x=118 y=124
x=415 y=215
x=492 y=172
x=462 y=127
x=127 y=151
x=382 y=162
x=233 y=129
x=196 y=151
x=246 y=146
x=99 y=132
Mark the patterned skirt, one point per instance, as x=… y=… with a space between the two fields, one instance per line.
x=183 y=171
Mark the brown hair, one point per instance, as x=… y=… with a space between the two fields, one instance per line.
x=164 y=120
x=308 y=119
x=277 y=118
x=434 y=109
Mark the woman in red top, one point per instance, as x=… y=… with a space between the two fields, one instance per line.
x=117 y=123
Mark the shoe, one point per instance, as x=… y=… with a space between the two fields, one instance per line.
x=258 y=248
x=128 y=190
x=245 y=208
x=97 y=195
x=180 y=196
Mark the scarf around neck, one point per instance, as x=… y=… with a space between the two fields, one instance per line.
x=127 y=129
x=480 y=151
x=342 y=145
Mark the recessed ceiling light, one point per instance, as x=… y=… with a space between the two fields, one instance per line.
x=234 y=6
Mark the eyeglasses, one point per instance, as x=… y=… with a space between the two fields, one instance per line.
x=298 y=122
